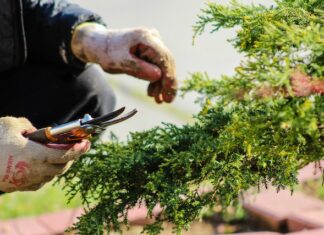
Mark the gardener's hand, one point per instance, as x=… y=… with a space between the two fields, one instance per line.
x=26 y=165
x=138 y=52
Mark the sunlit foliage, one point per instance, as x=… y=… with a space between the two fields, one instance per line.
x=240 y=139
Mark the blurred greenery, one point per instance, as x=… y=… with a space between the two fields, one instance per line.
x=235 y=214
x=313 y=188
x=50 y=198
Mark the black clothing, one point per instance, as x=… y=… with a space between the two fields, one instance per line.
x=47 y=94
x=12 y=38
x=39 y=31
x=38 y=72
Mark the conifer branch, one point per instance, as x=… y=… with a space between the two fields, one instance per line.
x=237 y=141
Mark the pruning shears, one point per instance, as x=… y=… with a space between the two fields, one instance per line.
x=77 y=130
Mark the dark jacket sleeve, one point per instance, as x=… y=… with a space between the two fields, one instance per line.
x=49 y=25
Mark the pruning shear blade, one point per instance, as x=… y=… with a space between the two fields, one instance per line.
x=77 y=130
x=119 y=119
x=107 y=117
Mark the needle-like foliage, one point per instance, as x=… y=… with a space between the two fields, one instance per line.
x=251 y=130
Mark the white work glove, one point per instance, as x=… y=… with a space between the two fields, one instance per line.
x=26 y=165
x=138 y=52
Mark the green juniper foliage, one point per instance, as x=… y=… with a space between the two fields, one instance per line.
x=239 y=140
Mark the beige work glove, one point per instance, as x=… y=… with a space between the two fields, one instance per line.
x=138 y=52
x=26 y=165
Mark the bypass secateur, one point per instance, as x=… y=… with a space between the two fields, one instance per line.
x=75 y=131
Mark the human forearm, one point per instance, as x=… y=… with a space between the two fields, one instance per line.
x=87 y=41
x=49 y=25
